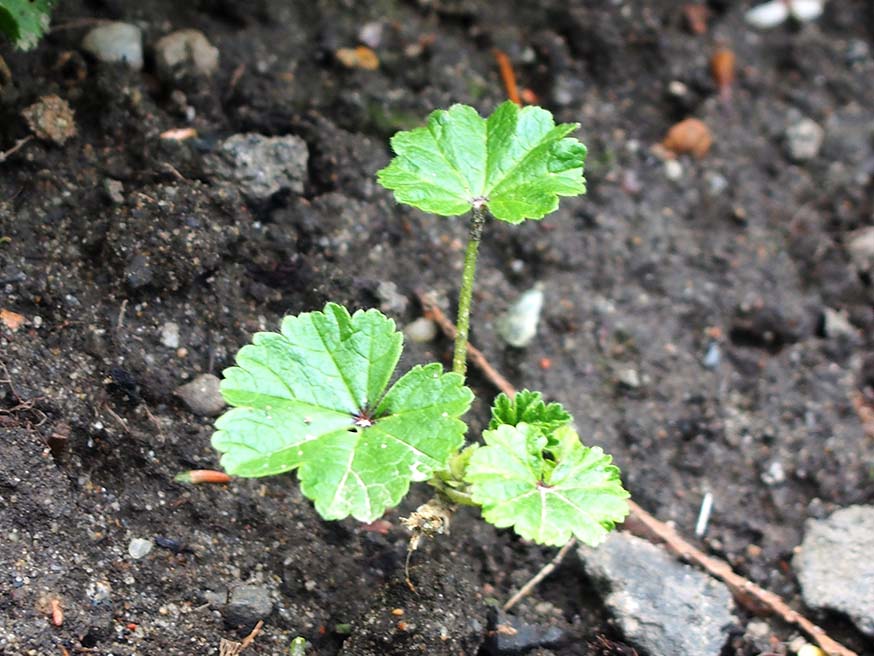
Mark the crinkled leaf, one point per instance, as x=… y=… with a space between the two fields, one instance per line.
x=529 y=408
x=312 y=398
x=25 y=21
x=546 y=495
x=517 y=162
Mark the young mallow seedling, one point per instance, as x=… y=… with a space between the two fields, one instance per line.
x=317 y=396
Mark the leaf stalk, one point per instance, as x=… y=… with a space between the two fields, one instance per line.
x=462 y=325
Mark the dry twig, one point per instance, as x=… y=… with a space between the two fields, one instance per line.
x=508 y=76
x=641 y=523
x=545 y=571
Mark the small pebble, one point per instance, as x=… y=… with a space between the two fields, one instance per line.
x=202 y=395
x=518 y=325
x=139 y=548
x=247 y=605
x=185 y=50
x=391 y=300
x=804 y=139
x=116 y=42
x=775 y=475
x=673 y=170
x=421 y=330
x=629 y=378
x=713 y=356
x=114 y=190
x=861 y=249
x=170 y=335
x=836 y=324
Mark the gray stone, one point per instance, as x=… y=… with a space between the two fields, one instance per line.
x=510 y=635
x=247 y=604
x=261 y=165
x=660 y=604
x=202 y=395
x=185 y=51
x=861 y=249
x=116 y=42
x=835 y=567
x=804 y=139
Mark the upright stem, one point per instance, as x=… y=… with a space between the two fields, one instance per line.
x=459 y=357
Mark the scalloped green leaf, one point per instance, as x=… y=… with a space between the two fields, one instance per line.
x=547 y=494
x=312 y=398
x=528 y=407
x=517 y=163
x=25 y=21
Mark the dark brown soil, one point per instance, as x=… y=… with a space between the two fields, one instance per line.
x=743 y=254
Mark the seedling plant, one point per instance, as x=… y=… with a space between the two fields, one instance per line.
x=316 y=397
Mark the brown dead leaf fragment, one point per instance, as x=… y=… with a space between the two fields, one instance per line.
x=11 y=320
x=51 y=119
x=722 y=67
x=689 y=136
x=360 y=57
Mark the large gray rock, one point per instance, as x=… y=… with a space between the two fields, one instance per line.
x=261 y=165
x=116 y=42
x=660 y=604
x=835 y=567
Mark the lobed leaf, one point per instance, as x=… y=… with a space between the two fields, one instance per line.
x=25 y=21
x=312 y=398
x=517 y=163
x=547 y=494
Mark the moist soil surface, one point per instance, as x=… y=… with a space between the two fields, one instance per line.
x=705 y=323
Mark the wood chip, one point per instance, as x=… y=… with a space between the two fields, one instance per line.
x=12 y=320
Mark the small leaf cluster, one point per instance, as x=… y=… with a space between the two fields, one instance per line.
x=25 y=21
x=315 y=398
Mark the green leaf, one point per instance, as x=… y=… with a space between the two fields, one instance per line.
x=528 y=407
x=517 y=163
x=547 y=494
x=25 y=21
x=312 y=398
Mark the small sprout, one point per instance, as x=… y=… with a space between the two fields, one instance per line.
x=315 y=398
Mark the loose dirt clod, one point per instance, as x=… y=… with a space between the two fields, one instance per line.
x=689 y=136
x=51 y=119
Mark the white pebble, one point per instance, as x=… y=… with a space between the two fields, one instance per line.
x=139 y=548
x=518 y=325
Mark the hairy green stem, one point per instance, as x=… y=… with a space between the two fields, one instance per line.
x=462 y=325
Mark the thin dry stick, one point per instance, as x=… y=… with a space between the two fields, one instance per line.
x=641 y=523
x=508 y=76
x=547 y=569
x=473 y=353
x=18 y=144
